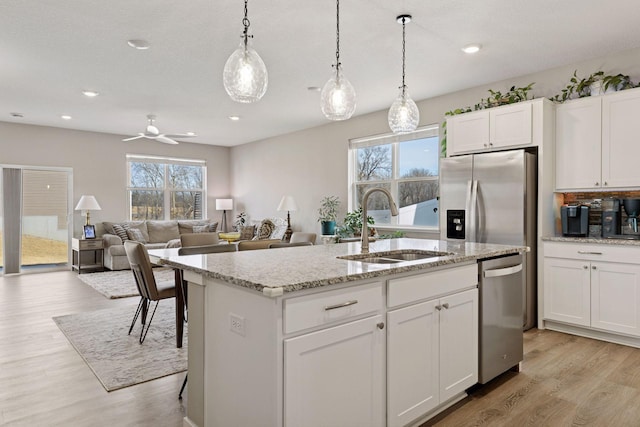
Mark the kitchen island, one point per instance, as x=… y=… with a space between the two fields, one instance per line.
x=302 y=336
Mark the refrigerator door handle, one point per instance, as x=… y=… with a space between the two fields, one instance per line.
x=472 y=221
x=467 y=210
x=506 y=271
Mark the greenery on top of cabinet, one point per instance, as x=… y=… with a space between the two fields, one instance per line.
x=598 y=81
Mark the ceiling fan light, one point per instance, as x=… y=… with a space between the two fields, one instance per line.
x=404 y=115
x=338 y=98
x=245 y=76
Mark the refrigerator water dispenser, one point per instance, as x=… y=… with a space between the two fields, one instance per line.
x=455 y=224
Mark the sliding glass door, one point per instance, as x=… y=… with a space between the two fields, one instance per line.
x=35 y=218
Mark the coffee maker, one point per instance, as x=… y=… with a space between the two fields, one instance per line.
x=611 y=218
x=575 y=221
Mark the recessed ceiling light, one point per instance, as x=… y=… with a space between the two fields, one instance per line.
x=65 y=117
x=138 y=44
x=90 y=93
x=234 y=118
x=472 y=48
x=314 y=89
x=17 y=115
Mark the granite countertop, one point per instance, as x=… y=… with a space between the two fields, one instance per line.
x=593 y=240
x=276 y=271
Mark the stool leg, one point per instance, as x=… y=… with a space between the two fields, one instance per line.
x=182 y=388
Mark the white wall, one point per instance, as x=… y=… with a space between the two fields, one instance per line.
x=312 y=163
x=98 y=161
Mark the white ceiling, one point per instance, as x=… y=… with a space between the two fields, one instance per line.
x=50 y=50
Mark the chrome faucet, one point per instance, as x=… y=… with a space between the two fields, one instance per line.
x=365 y=224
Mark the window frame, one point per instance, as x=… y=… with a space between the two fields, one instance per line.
x=428 y=131
x=166 y=190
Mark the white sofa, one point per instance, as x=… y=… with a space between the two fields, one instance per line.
x=156 y=235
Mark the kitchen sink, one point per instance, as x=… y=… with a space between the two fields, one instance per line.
x=393 y=257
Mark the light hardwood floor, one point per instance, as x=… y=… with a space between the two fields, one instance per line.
x=565 y=381
x=43 y=380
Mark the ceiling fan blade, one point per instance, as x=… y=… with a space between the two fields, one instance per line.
x=163 y=138
x=134 y=137
x=180 y=135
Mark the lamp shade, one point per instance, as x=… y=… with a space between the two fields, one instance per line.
x=88 y=203
x=287 y=204
x=224 y=204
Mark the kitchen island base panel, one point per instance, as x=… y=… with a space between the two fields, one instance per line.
x=591 y=333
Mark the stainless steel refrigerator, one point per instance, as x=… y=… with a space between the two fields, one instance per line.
x=491 y=198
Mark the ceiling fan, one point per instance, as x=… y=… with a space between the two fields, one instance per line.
x=152 y=132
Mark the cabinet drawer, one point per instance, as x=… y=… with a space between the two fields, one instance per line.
x=331 y=307
x=593 y=252
x=430 y=285
x=91 y=244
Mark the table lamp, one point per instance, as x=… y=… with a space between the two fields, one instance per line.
x=224 y=205
x=87 y=204
x=288 y=204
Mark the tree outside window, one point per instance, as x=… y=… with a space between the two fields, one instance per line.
x=408 y=168
x=160 y=189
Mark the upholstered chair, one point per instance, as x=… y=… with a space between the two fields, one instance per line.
x=199 y=239
x=288 y=245
x=297 y=237
x=149 y=289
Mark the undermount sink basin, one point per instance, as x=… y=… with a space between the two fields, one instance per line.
x=393 y=257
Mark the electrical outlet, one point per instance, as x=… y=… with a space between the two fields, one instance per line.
x=236 y=324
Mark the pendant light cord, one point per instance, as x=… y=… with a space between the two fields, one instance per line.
x=403 y=56
x=246 y=23
x=337 y=36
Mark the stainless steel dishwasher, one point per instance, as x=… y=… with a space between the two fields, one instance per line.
x=501 y=285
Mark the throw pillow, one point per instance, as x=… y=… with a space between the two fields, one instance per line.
x=136 y=234
x=265 y=230
x=246 y=233
x=120 y=232
x=278 y=232
x=209 y=228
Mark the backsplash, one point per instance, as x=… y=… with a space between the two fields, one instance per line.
x=594 y=201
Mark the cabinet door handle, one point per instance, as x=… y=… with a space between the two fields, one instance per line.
x=597 y=184
x=438 y=307
x=380 y=325
x=446 y=305
x=605 y=183
x=341 y=305
x=586 y=267
x=594 y=267
x=589 y=253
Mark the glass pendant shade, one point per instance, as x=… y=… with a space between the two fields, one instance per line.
x=245 y=75
x=338 y=98
x=403 y=114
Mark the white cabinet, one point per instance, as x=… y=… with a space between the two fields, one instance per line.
x=335 y=376
x=596 y=142
x=432 y=346
x=593 y=286
x=578 y=147
x=491 y=129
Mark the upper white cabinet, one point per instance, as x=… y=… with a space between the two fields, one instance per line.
x=596 y=142
x=491 y=129
x=578 y=136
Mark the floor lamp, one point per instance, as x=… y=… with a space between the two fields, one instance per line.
x=288 y=204
x=224 y=205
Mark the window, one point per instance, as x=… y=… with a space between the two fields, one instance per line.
x=163 y=188
x=407 y=166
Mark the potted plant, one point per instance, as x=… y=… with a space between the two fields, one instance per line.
x=241 y=218
x=327 y=214
x=353 y=223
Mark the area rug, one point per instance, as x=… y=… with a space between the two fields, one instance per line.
x=121 y=284
x=118 y=359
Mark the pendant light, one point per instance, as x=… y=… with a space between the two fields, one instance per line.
x=403 y=114
x=338 y=98
x=245 y=75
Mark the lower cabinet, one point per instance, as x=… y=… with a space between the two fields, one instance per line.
x=335 y=376
x=432 y=354
x=592 y=291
